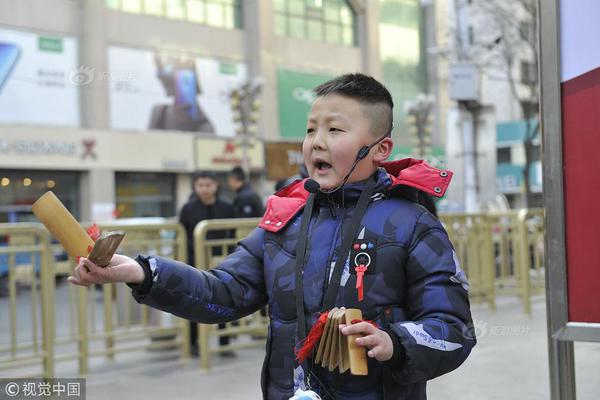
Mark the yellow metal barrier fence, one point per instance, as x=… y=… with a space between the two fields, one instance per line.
x=208 y=253
x=501 y=253
x=95 y=321
x=25 y=254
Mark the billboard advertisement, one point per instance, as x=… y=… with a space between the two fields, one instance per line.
x=295 y=97
x=37 y=83
x=580 y=85
x=173 y=92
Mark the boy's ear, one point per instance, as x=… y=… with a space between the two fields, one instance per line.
x=383 y=150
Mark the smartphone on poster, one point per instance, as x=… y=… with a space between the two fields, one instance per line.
x=186 y=91
x=9 y=55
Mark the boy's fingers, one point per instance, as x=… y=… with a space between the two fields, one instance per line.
x=361 y=327
x=90 y=265
x=368 y=341
x=374 y=352
x=76 y=281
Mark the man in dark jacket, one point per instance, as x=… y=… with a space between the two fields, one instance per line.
x=204 y=204
x=247 y=203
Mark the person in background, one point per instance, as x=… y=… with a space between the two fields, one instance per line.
x=204 y=203
x=247 y=204
x=302 y=174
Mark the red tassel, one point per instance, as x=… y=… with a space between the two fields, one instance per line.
x=311 y=340
x=94 y=232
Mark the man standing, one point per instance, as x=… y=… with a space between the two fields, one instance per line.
x=204 y=204
x=247 y=203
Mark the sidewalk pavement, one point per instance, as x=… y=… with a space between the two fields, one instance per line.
x=509 y=362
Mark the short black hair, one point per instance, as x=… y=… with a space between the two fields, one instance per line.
x=204 y=174
x=238 y=173
x=368 y=91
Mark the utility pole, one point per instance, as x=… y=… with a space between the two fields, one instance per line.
x=419 y=119
x=464 y=88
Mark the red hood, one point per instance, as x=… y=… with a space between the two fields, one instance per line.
x=285 y=204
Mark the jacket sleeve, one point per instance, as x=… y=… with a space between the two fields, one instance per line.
x=230 y=291
x=439 y=334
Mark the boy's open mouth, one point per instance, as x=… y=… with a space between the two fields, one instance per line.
x=322 y=165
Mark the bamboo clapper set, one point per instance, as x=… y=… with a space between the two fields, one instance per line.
x=337 y=350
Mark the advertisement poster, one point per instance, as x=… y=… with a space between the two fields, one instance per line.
x=178 y=92
x=38 y=82
x=580 y=85
x=295 y=97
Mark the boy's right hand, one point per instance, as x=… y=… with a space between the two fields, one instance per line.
x=120 y=269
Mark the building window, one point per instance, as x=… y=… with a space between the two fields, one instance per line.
x=528 y=73
x=330 y=21
x=504 y=155
x=219 y=13
x=145 y=194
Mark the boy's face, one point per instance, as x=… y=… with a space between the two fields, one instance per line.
x=336 y=130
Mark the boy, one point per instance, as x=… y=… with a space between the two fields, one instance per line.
x=353 y=241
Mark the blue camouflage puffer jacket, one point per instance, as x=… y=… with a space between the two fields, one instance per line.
x=414 y=287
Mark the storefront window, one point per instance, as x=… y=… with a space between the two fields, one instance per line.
x=20 y=189
x=219 y=13
x=145 y=195
x=330 y=21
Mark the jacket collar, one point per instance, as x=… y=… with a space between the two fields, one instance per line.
x=284 y=205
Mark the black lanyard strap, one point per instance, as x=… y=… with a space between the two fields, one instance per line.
x=347 y=239
x=300 y=257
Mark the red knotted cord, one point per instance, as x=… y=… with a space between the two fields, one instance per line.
x=308 y=343
x=94 y=232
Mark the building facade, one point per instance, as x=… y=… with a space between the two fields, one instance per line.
x=113 y=104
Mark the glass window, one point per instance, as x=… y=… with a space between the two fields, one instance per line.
x=114 y=4
x=331 y=21
x=154 y=7
x=175 y=9
x=133 y=6
x=296 y=7
x=333 y=33
x=145 y=194
x=214 y=13
x=332 y=12
x=348 y=35
x=229 y=19
x=20 y=188
x=280 y=25
x=315 y=29
x=196 y=11
x=296 y=27
x=220 y=13
x=279 y=5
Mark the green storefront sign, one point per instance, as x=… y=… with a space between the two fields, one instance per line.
x=50 y=44
x=437 y=157
x=295 y=97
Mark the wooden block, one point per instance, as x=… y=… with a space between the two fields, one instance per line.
x=321 y=349
x=327 y=338
x=334 y=352
x=357 y=355
x=343 y=347
x=62 y=225
x=105 y=247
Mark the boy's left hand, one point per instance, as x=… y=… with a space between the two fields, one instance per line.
x=378 y=342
